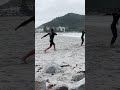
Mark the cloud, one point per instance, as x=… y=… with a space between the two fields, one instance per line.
x=46 y=10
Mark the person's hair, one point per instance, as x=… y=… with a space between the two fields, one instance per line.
x=51 y=30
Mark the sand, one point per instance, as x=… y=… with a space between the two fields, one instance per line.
x=68 y=52
x=102 y=62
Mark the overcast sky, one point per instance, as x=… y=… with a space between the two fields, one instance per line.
x=46 y=10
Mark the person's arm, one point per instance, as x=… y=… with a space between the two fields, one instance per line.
x=25 y=23
x=55 y=33
x=114 y=14
x=45 y=36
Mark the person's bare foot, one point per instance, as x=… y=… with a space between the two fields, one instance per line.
x=44 y=51
x=24 y=60
x=16 y=29
x=111 y=46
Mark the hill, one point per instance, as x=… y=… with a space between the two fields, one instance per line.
x=71 y=21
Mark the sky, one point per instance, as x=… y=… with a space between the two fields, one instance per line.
x=46 y=10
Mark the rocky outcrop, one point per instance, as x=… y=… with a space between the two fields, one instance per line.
x=40 y=84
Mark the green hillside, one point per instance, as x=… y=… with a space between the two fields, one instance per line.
x=72 y=22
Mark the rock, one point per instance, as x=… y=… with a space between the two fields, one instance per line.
x=82 y=87
x=63 y=87
x=48 y=81
x=62 y=78
x=78 y=77
x=50 y=86
x=65 y=65
x=51 y=70
x=40 y=84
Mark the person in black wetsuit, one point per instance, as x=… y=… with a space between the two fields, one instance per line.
x=116 y=17
x=51 y=34
x=82 y=37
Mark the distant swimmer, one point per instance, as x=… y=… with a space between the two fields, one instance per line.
x=82 y=37
x=51 y=34
x=116 y=17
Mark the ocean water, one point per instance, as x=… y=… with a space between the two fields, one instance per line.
x=77 y=35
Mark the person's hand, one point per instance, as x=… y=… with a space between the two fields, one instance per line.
x=15 y=29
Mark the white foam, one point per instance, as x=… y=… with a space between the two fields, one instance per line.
x=77 y=35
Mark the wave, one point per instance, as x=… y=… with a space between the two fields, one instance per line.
x=78 y=35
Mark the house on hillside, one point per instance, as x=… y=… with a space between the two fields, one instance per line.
x=39 y=30
x=60 y=29
x=57 y=29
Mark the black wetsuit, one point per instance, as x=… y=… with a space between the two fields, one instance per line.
x=82 y=37
x=113 y=27
x=52 y=34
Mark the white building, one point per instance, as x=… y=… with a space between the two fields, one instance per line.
x=61 y=29
x=39 y=30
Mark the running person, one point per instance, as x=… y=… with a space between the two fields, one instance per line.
x=82 y=37
x=116 y=17
x=51 y=34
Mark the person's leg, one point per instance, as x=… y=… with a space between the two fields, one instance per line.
x=54 y=46
x=48 y=47
x=82 y=41
x=28 y=55
x=114 y=32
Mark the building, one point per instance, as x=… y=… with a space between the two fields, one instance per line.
x=40 y=30
x=60 y=29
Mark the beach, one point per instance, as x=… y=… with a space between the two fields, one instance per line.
x=68 y=59
x=102 y=62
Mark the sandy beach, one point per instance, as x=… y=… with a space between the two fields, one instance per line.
x=102 y=62
x=68 y=59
